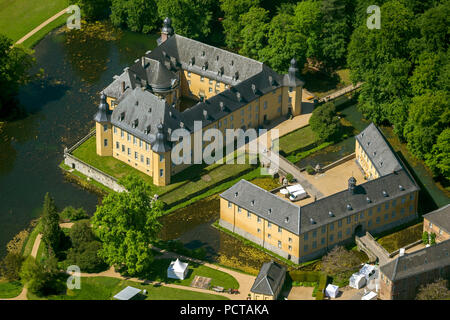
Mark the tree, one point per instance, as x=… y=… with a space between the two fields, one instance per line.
x=428 y=73
x=284 y=42
x=325 y=122
x=437 y=290
x=190 y=18
x=137 y=15
x=70 y=213
x=308 y=21
x=254 y=32
x=127 y=223
x=51 y=232
x=81 y=232
x=15 y=62
x=94 y=9
x=340 y=263
x=432 y=238
x=86 y=256
x=33 y=275
x=10 y=266
x=234 y=20
x=439 y=157
x=429 y=115
x=425 y=238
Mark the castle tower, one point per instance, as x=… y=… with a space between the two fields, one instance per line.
x=295 y=88
x=162 y=162
x=103 y=128
x=166 y=31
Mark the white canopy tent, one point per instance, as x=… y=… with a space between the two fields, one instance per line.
x=177 y=270
x=331 y=291
x=368 y=271
x=369 y=296
x=127 y=293
x=357 y=281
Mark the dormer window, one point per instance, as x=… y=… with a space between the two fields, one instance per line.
x=401 y=187
x=232 y=62
x=137 y=102
x=269 y=211
x=330 y=214
x=236 y=75
x=220 y=71
x=205 y=65
x=368 y=143
x=135 y=123
x=368 y=200
x=349 y=207
x=122 y=116
x=147 y=130
x=312 y=221
x=252 y=203
x=236 y=194
x=192 y=61
x=385 y=194
x=286 y=220
x=149 y=110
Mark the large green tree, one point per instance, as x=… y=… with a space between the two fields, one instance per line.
x=15 y=63
x=93 y=9
x=254 y=32
x=234 y=20
x=127 y=223
x=51 y=232
x=190 y=18
x=439 y=157
x=136 y=15
x=325 y=122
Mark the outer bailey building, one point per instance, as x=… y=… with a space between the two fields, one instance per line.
x=182 y=81
x=304 y=232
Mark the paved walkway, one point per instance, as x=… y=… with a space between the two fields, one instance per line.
x=370 y=244
x=340 y=92
x=42 y=25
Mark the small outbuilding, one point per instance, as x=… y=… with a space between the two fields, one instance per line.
x=357 y=281
x=331 y=291
x=268 y=283
x=177 y=270
x=127 y=293
x=369 y=296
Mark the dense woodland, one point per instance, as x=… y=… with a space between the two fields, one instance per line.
x=404 y=65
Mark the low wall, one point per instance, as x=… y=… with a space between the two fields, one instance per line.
x=93 y=173
x=338 y=162
x=394 y=253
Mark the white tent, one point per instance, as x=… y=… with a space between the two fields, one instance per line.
x=357 y=281
x=127 y=293
x=331 y=290
x=368 y=271
x=177 y=270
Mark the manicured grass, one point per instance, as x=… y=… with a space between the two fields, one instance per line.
x=28 y=247
x=267 y=183
x=10 y=289
x=297 y=140
x=218 y=278
x=35 y=38
x=105 y=288
x=399 y=239
x=18 y=17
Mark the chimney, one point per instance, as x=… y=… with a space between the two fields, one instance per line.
x=352 y=185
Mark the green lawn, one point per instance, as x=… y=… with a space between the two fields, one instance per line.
x=18 y=17
x=105 y=288
x=28 y=247
x=399 y=239
x=218 y=278
x=34 y=39
x=10 y=289
x=297 y=140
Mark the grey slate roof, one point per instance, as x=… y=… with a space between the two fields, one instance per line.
x=269 y=279
x=415 y=263
x=154 y=75
x=103 y=114
x=149 y=111
x=440 y=217
x=378 y=150
x=259 y=201
x=337 y=203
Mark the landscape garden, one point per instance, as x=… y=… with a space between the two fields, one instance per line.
x=405 y=90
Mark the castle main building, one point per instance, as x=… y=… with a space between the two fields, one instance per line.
x=182 y=81
x=305 y=230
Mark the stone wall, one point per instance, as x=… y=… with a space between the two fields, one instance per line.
x=91 y=172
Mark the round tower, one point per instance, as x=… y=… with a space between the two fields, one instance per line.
x=103 y=129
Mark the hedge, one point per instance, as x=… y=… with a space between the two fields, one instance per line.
x=311 y=276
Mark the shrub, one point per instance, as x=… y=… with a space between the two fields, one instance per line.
x=86 y=257
x=10 y=266
x=81 y=232
x=310 y=170
x=425 y=237
x=289 y=177
x=432 y=238
x=41 y=278
x=340 y=264
x=72 y=214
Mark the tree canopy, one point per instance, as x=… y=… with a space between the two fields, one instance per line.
x=325 y=122
x=127 y=223
x=51 y=232
x=437 y=290
x=136 y=15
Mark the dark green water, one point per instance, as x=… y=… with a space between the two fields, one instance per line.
x=59 y=107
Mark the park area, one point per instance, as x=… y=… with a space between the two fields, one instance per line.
x=18 y=17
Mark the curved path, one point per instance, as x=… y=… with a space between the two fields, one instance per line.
x=42 y=25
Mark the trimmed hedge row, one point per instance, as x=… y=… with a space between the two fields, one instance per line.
x=311 y=276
